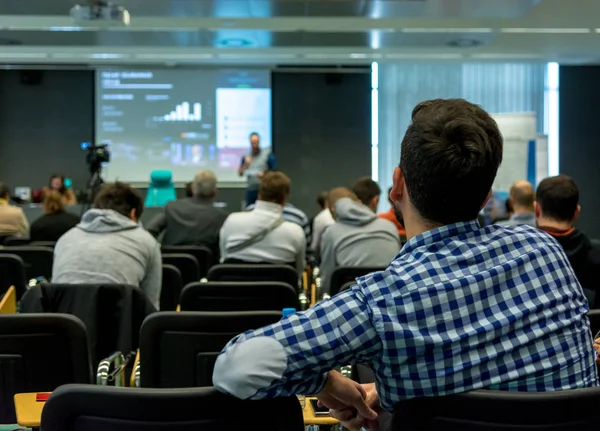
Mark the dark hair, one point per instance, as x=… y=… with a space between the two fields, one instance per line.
x=63 y=188
x=188 y=190
x=121 y=198
x=366 y=189
x=274 y=187
x=558 y=197
x=322 y=199
x=450 y=155
x=4 y=191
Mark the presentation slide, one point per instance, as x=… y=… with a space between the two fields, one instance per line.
x=180 y=120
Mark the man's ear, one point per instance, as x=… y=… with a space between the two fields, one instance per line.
x=374 y=203
x=576 y=215
x=398 y=187
x=537 y=209
x=133 y=215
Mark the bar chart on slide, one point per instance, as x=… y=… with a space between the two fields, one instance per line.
x=184 y=112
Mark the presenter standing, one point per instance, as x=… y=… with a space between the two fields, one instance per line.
x=254 y=166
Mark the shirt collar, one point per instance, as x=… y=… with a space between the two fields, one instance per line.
x=269 y=207
x=440 y=234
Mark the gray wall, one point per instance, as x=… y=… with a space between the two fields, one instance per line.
x=579 y=145
x=321 y=130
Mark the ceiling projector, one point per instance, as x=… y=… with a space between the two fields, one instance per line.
x=100 y=13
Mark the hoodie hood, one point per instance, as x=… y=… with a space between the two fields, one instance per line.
x=353 y=213
x=105 y=221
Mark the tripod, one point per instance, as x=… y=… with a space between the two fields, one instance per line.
x=92 y=187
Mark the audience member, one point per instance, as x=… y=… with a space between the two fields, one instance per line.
x=557 y=209
x=57 y=183
x=357 y=238
x=368 y=192
x=254 y=165
x=460 y=308
x=262 y=235
x=192 y=221
x=295 y=215
x=189 y=193
x=55 y=222
x=12 y=218
x=390 y=215
x=322 y=221
x=521 y=199
x=108 y=246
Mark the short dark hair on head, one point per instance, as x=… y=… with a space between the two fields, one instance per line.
x=558 y=197
x=274 y=187
x=366 y=189
x=121 y=198
x=4 y=190
x=322 y=199
x=450 y=156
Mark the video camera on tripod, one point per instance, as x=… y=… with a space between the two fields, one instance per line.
x=96 y=156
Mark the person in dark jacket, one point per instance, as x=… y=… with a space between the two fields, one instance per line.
x=557 y=209
x=55 y=222
x=192 y=221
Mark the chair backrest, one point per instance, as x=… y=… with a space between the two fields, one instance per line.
x=96 y=408
x=112 y=313
x=345 y=274
x=501 y=411
x=238 y=296
x=594 y=316
x=254 y=272
x=12 y=241
x=12 y=273
x=50 y=244
x=171 y=288
x=202 y=254
x=179 y=349
x=161 y=189
x=8 y=303
x=186 y=264
x=38 y=353
x=38 y=260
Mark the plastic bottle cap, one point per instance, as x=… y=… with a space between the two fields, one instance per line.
x=288 y=311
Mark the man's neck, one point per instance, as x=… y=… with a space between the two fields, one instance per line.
x=415 y=225
x=522 y=210
x=561 y=226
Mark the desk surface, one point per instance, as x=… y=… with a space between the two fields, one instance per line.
x=29 y=411
x=311 y=419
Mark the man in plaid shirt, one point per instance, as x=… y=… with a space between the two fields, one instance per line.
x=460 y=307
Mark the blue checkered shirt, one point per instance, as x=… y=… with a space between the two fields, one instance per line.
x=460 y=308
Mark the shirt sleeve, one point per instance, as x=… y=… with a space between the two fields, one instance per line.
x=271 y=161
x=152 y=282
x=294 y=355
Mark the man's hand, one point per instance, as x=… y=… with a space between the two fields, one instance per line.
x=260 y=174
x=341 y=394
x=351 y=419
x=248 y=160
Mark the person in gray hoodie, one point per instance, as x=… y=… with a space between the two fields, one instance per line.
x=109 y=246
x=357 y=238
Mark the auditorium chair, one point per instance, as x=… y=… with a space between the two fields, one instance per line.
x=38 y=260
x=238 y=296
x=345 y=274
x=95 y=408
x=179 y=349
x=186 y=264
x=13 y=241
x=12 y=273
x=171 y=288
x=38 y=353
x=161 y=189
x=254 y=272
x=202 y=254
x=483 y=410
x=50 y=244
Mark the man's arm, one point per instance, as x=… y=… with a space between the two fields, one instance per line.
x=152 y=282
x=294 y=355
x=271 y=161
x=243 y=166
x=157 y=224
x=301 y=256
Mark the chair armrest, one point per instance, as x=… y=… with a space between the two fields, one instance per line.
x=111 y=370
